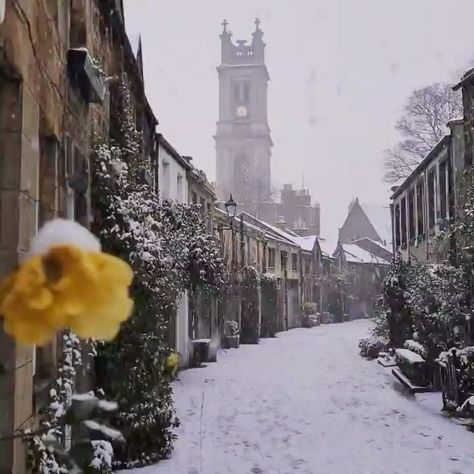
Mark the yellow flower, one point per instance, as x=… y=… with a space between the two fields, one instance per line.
x=171 y=365
x=66 y=287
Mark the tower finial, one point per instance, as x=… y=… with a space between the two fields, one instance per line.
x=257 y=24
x=224 y=26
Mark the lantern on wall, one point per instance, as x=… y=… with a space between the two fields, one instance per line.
x=231 y=207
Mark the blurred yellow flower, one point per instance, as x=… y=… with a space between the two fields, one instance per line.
x=86 y=291
x=171 y=365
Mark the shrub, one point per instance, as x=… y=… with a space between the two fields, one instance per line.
x=371 y=346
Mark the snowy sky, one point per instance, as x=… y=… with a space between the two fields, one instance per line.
x=340 y=73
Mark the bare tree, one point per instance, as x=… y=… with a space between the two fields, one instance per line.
x=422 y=126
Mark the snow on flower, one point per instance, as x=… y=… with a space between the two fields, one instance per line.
x=63 y=232
x=66 y=282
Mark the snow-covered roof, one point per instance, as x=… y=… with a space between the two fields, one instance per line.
x=289 y=237
x=356 y=254
x=379 y=217
x=246 y=224
x=306 y=243
x=386 y=246
x=327 y=245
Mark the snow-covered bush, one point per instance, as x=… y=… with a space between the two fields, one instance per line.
x=269 y=285
x=394 y=315
x=168 y=248
x=437 y=300
x=47 y=449
x=371 y=346
x=310 y=309
x=250 y=304
x=233 y=328
x=415 y=347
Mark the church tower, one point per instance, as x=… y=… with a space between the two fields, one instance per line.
x=243 y=142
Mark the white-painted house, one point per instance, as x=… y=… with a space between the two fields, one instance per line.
x=173 y=185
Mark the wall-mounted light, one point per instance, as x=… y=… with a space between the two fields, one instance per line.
x=231 y=207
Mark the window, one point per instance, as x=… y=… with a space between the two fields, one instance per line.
x=307 y=267
x=411 y=214
x=179 y=188
x=246 y=92
x=450 y=190
x=236 y=89
x=48 y=185
x=431 y=198
x=404 y=221
x=442 y=190
x=203 y=207
x=284 y=260
x=154 y=172
x=165 y=180
x=194 y=197
x=419 y=207
x=397 y=225
x=271 y=258
x=294 y=262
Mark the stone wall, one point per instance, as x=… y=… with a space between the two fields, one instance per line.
x=32 y=91
x=46 y=132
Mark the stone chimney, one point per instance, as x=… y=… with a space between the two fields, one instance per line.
x=281 y=223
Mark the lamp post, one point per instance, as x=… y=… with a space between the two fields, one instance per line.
x=231 y=209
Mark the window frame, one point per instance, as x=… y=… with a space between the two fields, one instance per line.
x=403 y=221
x=271 y=258
x=294 y=262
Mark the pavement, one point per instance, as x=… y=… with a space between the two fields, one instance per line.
x=306 y=402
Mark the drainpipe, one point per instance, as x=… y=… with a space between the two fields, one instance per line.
x=2 y=11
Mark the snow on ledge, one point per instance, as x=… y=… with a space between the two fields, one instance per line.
x=410 y=356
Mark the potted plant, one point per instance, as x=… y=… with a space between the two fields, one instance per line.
x=231 y=339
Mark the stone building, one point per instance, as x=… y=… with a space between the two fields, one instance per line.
x=282 y=259
x=427 y=199
x=61 y=64
x=361 y=257
x=203 y=307
x=243 y=142
x=202 y=192
x=467 y=86
x=294 y=210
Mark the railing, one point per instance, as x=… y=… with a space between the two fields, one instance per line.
x=456 y=371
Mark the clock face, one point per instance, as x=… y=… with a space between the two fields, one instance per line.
x=241 y=111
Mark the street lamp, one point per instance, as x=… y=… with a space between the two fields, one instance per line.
x=231 y=207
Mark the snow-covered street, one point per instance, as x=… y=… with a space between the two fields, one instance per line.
x=305 y=402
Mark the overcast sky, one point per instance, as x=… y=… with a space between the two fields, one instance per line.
x=340 y=73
